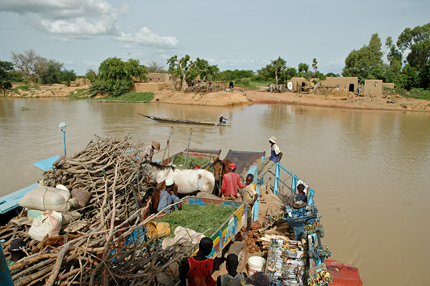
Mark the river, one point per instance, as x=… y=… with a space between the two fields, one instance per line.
x=370 y=169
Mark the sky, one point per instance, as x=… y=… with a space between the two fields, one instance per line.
x=234 y=34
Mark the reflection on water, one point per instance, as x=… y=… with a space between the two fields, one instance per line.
x=370 y=169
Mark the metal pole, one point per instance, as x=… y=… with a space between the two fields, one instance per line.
x=188 y=148
x=64 y=142
x=277 y=171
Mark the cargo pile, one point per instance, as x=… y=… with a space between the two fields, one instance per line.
x=105 y=244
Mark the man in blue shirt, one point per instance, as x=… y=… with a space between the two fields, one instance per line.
x=275 y=156
x=167 y=197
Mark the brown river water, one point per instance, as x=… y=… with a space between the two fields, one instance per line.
x=370 y=169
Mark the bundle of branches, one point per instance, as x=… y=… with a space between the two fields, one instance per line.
x=111 y=247
x=204 y=89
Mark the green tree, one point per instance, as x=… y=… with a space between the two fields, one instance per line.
x=50 y=71
x=187 y=69
x=304 y=71
x=116 y=76
x=394 y=57
x=5 y=76
x=67 y=76
x=275 y=70
x=416 y=42
x=366 y=62
x=91 y=75
x=408 y=77
x=320 y=76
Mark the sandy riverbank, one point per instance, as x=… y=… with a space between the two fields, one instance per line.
x=335 y=99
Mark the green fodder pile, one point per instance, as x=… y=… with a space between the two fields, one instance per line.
x=191 y=162
x=203 y=219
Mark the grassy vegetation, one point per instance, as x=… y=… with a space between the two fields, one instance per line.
x=199 y=218
x=418 y=93
x=131 y=96
x=81 y=93
x=191 y=162
x=23 y=108
x=26 y=88
x=246 y=83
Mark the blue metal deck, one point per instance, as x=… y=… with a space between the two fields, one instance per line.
x=46 y=164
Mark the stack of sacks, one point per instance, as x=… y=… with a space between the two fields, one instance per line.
x=48 y=209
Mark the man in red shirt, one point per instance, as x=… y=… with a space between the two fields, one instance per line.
x=230 y=182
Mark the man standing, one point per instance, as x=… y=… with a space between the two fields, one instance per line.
x=275 y=157
x=230 y=182
x=149 y=151
x=167 y=197
x=198 y=269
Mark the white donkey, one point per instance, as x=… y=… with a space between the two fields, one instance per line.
x=188 y=181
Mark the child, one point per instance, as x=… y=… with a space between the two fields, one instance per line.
x=232 y=278
x=198 y=269
x=250 y=196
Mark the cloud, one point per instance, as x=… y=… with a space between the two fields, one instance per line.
x=76 y=18
x=58 y=39
x=58 y=9
x=145 y=37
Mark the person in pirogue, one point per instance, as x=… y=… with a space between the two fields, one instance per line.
x=266 y=165
x=167 y=197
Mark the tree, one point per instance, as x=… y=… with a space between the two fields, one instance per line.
x=276 y=70
x=187 y=69
x=155 y=67
x=408 y=77
x=366 y=62
x=50 y=71
x=26 y=63
x=204 y=69
x=5 y=76
x=116 y=76
x=91 y=75
x=304 y=71
x=394 y=57
x=67 y=76
x=317 y=74
x=417 y=42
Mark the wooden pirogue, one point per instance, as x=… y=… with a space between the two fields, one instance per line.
x=166 y=119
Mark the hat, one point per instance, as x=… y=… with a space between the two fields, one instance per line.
x=16 y=244
x=272 y=139
x=169 y=182
x=156 y=145
x=258 y=279
x=232 y=166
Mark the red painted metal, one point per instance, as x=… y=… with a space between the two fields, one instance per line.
x=343 y=274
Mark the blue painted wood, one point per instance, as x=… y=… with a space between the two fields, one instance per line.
x=9 y=202
x=46 y=164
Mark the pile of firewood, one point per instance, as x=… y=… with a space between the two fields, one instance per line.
x=257 y=239
x=204 y=89
x=110 y=246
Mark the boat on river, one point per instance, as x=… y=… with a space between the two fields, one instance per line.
x=173 y=120
x=306 y=223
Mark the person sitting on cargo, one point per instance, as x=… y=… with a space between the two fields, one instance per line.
x=167 y=197
x=275 y=157
x=232 y=278
x=230 y=183
x=300 y=200
x=16 y=250
x=198 y=270
x=149 y=151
